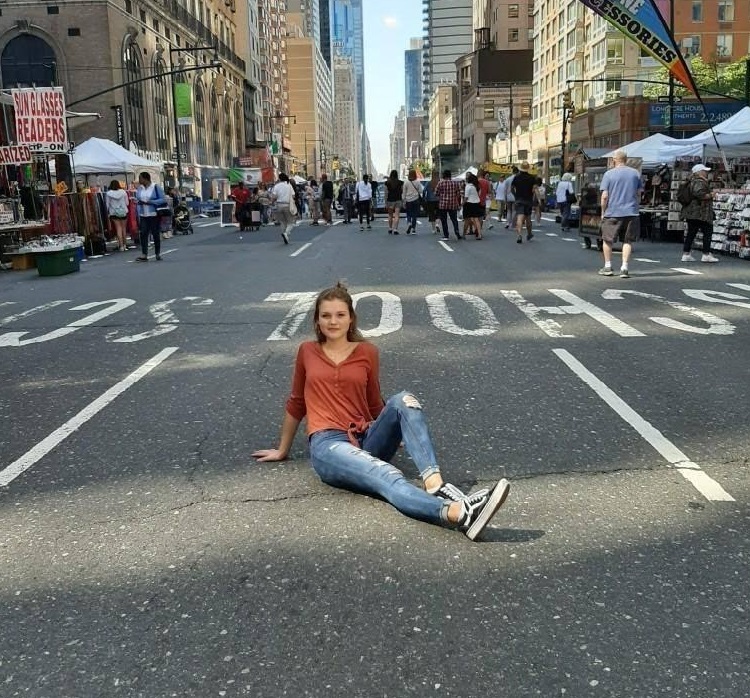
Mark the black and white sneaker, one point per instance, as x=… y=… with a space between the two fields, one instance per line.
x=454 y=494
x=285 y=237
x=475 y=516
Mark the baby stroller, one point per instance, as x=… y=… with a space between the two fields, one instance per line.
x=248 y=216
x=181 y=220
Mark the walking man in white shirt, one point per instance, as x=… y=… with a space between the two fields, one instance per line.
x=286 y=209
x=364 y=199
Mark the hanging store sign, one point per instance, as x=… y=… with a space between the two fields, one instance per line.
x=15 y=155
x=183 y=101
x=119 y=125
x=40 y=119
x=503 y=123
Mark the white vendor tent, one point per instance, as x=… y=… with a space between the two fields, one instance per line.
x=733 y=131
x=462 y=176
x=101 y=156
x=649 y=150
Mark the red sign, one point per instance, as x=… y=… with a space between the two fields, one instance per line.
x=254 y=158
x=15 y=155
x=40 y=119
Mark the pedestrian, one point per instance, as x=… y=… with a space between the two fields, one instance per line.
x=353 y=434
x=286 y=208
x=540 y=196
x=699 y=214
x=500 y=198
x=326 y=198
x=449 y=201
x=264 y=201
x=149 y=197
x=485 y=199
x=117 y=210
x=412 y=191
x=621 y=189
x=364 y=200
x=373 y=199
x=430 y=201
x=472 y=208
x=564 y=195
x=347 y=192
x=510 y=199
x=394 y=195
x=312 y=194
x=522 y=189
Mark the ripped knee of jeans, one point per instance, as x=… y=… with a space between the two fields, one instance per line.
x=410 y=401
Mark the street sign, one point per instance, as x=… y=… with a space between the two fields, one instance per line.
x=665 y=98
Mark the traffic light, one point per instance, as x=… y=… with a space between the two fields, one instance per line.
x=567 y=99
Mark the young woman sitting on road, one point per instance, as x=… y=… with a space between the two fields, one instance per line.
x=353 y=434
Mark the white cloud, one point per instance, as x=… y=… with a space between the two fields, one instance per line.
x=390 y=22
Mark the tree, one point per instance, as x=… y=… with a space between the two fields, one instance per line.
x=424 y=166
x=726 y=79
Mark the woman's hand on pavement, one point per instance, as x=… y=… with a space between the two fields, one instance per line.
x=269 y=455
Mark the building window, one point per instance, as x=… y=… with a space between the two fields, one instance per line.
x=74 y=31
x=216 y=129
x=697 y=11
x=28 y=60
x=134 y=99
x=143 y=17
x=512 y=35
x=129 y=7
x=228 y=140
x=53 y=10
x=723 y=45
x=726 y=10
x=156 y=26
x=513 y=10
x=161 y=109
x=200 y=122
x=616 y=51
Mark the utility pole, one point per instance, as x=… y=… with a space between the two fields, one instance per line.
x=671 y=77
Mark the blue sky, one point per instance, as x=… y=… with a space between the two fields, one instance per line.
x=388 y=27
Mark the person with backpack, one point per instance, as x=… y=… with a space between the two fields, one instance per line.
x=694 y=194
x=117 y=210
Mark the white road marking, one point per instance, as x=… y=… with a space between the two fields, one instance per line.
x=569 y=239
x=174 y=249
x=442 y=319
x=28 y=459
x=742 y=287
x=549 y=327
x=391 y=314
x=205 y=225
x=716 y=325
x=692 y=272
x=547 y=218
x=303 y=304
x=4 y=303
x=301 y=249
x=165 y=319
x=692 y=472
x=31 y=311
x=552 y=235
x=647 y=261
x=578 y=306
x=718 y=297
x=445 y=245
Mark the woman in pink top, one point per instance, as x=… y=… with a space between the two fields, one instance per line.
x=353 y=434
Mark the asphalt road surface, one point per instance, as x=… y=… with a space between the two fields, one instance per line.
x=144 y=553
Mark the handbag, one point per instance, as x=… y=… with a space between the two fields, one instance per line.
x=293 y=206
x=570 y=197
x=159 y=201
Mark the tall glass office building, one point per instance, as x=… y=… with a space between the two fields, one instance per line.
x=413 y=69
x=347 y=39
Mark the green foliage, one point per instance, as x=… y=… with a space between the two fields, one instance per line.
x=424 y=166
x=725 y=78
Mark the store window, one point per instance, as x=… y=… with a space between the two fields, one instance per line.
x=726 y=10
x=513 y=10
x=200 y=123
x=28 y=60
x=512 y=35
x=697 y=11
x=135 y=101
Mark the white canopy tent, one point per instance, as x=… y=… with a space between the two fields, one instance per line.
x=733 y=131
x=649 y=150
x=462 y=176
x=101 y=156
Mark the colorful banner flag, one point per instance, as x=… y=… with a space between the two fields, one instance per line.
x=644 y=24
x=183 y=101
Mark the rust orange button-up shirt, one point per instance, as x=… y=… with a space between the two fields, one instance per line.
x=344 y=396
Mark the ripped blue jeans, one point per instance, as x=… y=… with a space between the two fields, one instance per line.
x=367 y=470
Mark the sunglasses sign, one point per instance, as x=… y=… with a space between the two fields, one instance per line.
x=40 y=119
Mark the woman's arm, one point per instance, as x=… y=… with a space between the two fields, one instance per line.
x=288 y=431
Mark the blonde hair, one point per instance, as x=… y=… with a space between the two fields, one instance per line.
x=339 y=292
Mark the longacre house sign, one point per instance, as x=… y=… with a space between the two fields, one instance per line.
x=40 y=119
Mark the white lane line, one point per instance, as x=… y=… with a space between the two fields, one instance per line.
x=301 y=249
x=692 y=472
x=206 y=225
x=647 y=261
x=552 y=235
x=691 y=272
x=547 y=218
x=153 y=259
x=31 y=311
x=174 y=249
x=4 y=303
x=38 y=452
x=445 y=245
x=569 y=239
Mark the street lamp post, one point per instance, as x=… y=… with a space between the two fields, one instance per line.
x=322 y=153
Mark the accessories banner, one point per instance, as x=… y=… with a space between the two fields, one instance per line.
x=183 y=101
x=642 y=23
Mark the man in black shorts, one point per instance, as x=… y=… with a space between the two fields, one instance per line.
x=522 y=189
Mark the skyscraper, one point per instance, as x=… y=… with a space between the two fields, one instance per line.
x=347 y=39
x=413 y=70
x=325 y=30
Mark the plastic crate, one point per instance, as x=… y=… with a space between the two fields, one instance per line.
x=57 y=263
